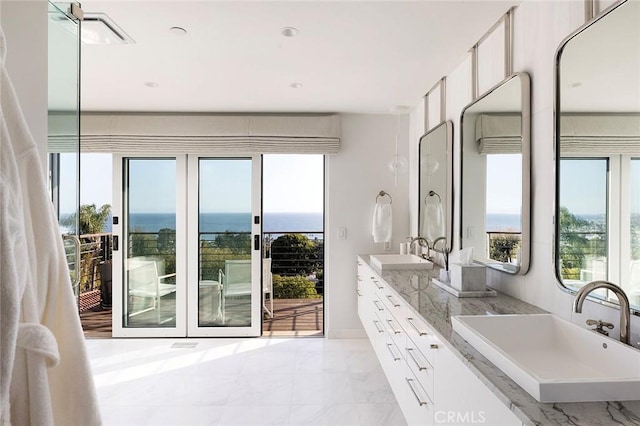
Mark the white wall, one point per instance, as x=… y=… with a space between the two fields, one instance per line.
x=539 y=28
x=25 y=27
x=353 y=179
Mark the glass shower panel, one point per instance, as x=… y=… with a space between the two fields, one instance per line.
x=64 y=114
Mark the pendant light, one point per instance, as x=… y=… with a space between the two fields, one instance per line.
x=398 y=164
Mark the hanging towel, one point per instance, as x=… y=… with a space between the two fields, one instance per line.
x=43 y=364
x=433 y=226
x=382 y=223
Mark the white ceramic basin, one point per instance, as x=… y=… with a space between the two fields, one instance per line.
x=400 y=261
x=553 y=359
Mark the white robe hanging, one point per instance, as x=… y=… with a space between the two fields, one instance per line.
x=45 y=374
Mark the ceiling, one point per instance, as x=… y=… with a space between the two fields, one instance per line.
x=349 y=57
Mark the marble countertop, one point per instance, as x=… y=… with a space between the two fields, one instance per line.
x=437 y=306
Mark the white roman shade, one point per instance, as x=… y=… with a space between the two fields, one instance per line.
x=63 y=132
x=127 y=133
x=599 y=134
x=499 y=134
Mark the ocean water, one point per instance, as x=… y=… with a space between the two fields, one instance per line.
x=232 y=222
x=503 y=222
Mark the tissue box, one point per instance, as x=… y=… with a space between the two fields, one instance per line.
x=469 y=277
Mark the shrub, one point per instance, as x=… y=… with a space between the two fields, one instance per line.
x=294 y=254
x=297 y=287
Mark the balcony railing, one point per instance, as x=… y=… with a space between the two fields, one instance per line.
x=215 y=248
x=95 y=251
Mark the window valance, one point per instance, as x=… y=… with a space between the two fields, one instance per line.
x=200 y=133
x=499 y=134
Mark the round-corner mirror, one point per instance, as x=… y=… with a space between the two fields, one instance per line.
x=597 y=135
x=495 y=176
x=435 y=209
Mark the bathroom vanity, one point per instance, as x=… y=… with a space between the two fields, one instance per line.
x=439 y=378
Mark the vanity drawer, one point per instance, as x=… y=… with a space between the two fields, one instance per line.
x=394 y=329
x=421 y=368
x=416 y=405
x=420 y=335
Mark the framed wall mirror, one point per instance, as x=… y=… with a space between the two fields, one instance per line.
x=435 y=210
x=495 y=176
x=597 y=130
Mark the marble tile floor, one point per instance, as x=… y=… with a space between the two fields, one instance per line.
x=256 y=381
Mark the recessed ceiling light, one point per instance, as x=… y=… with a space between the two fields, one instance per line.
x=151 y=84
x=177 y=31
x=399 y=109
x=295 y=85
x=289 y=31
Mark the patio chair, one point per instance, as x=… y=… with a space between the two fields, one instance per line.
x=267 y=286
x=212 y=305
x=145 y=282
x=236 y=281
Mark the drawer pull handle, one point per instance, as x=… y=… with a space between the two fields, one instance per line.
x=410 y=383
x=413 y=357
x=434 y=346
x=376 y=323
x=380 y=287
x=415 y=327
x=395 y=304
x=359 y=294
x=375 y=302
x=394 y=356
x=395 y=330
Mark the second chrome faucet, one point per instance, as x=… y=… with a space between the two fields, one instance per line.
x=625 y=311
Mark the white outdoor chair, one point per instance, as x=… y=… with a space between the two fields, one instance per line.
x=267 y=286
x=236 y=281
x=145 y=282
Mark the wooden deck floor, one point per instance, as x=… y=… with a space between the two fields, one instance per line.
x=290 y=317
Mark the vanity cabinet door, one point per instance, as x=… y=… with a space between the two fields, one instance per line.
x=462 y=399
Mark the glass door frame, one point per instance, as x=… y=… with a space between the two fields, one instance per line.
x=194 y=329
x=120 y=252
x=187 y=250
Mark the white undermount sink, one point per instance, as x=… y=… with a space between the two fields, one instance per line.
x=400 y=261
x=553 y=359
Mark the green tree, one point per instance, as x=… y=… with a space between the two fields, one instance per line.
x=237 y=243
x=92 y=220
x=503 y=247
x=573 y=243
x=294 y=254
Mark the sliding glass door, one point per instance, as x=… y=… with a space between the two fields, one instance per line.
x=186 y=249
x=224 y=246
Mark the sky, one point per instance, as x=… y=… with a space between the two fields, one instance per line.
x=291 y=184
x=504 y=183
x=583 y=186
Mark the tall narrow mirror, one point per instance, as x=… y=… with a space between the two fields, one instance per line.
x=598 y=154
x=435 y=211
x=495 y=176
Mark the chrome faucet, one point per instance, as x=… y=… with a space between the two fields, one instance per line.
x=433 y=246
x=625 y=312
x=420 y=240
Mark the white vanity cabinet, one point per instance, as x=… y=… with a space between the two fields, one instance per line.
x=432 y=385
